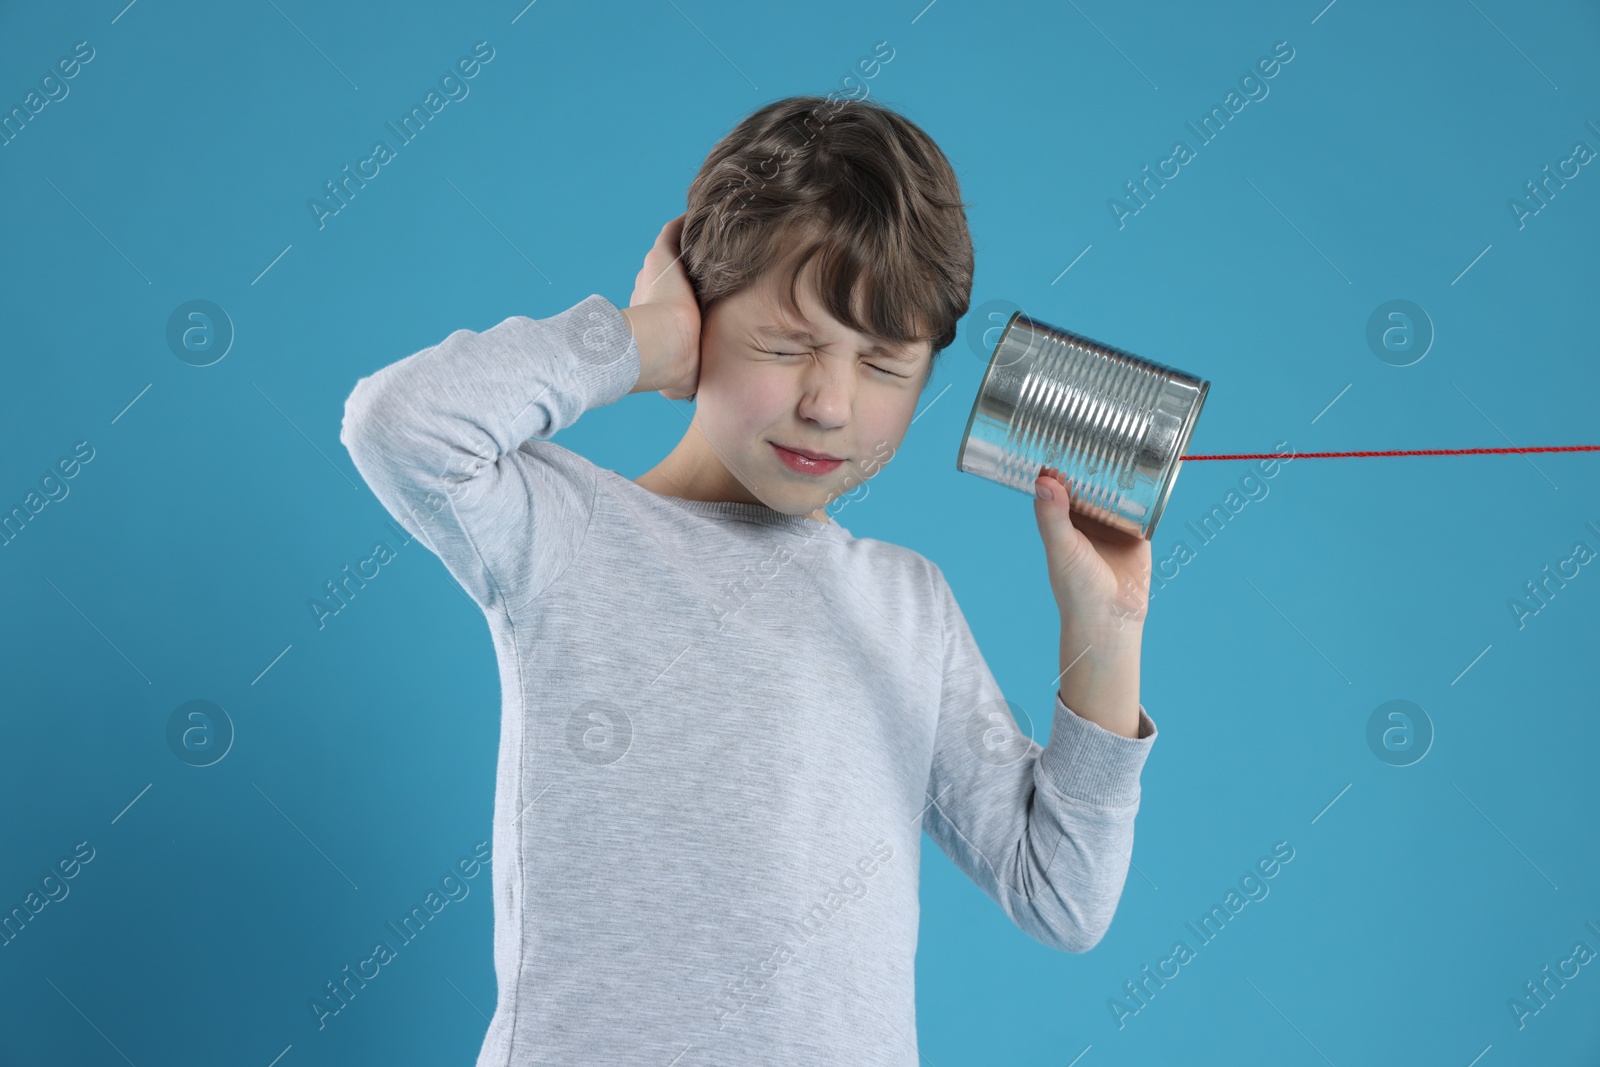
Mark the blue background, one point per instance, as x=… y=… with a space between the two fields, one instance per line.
x=1420 y=898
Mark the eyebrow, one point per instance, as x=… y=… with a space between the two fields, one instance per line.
x=877 y=349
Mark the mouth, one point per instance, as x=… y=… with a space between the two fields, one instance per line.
x=804 y=461
x=806 y=452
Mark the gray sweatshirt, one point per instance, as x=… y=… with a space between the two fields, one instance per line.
x=723 y=732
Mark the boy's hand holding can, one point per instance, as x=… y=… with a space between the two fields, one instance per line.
x=1100 y=578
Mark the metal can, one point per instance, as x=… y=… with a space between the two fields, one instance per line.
x=1115 y=426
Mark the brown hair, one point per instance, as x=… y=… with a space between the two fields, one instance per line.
x=856 y=185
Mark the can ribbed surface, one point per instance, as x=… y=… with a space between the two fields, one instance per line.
x=1113 y=424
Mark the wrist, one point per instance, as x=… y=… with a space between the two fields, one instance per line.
x=1100 y=678
x=636 y=318
x=1108 y=631
x=661 y=336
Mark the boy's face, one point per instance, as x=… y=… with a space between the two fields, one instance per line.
x=833 y=391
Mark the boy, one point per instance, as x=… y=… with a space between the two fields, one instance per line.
x=726 y=719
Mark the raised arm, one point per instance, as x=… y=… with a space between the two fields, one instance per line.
x=450 y=438
x=442 y=437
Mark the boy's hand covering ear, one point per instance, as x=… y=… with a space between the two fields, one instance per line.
x=664 y=315
x=1099 y=575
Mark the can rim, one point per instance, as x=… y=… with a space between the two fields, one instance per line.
x=1177 y=458
x=977 y=400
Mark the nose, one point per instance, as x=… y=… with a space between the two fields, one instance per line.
x=827 y=392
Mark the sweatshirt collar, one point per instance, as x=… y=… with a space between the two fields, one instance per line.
x=740 y=511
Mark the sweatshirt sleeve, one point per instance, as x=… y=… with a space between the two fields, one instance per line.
x=442 y=437
x=1046 y=832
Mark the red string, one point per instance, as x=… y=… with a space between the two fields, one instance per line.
x=1422 y=452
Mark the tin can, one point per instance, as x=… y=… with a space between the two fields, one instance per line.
x=1115 y=426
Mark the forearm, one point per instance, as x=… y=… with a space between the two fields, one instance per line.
x=453 y=409
x=1100 y=674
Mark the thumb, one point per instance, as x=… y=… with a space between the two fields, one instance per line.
x=1051 y=502
x=1052 y=507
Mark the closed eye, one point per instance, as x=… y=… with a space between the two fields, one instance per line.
x=874 y=366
